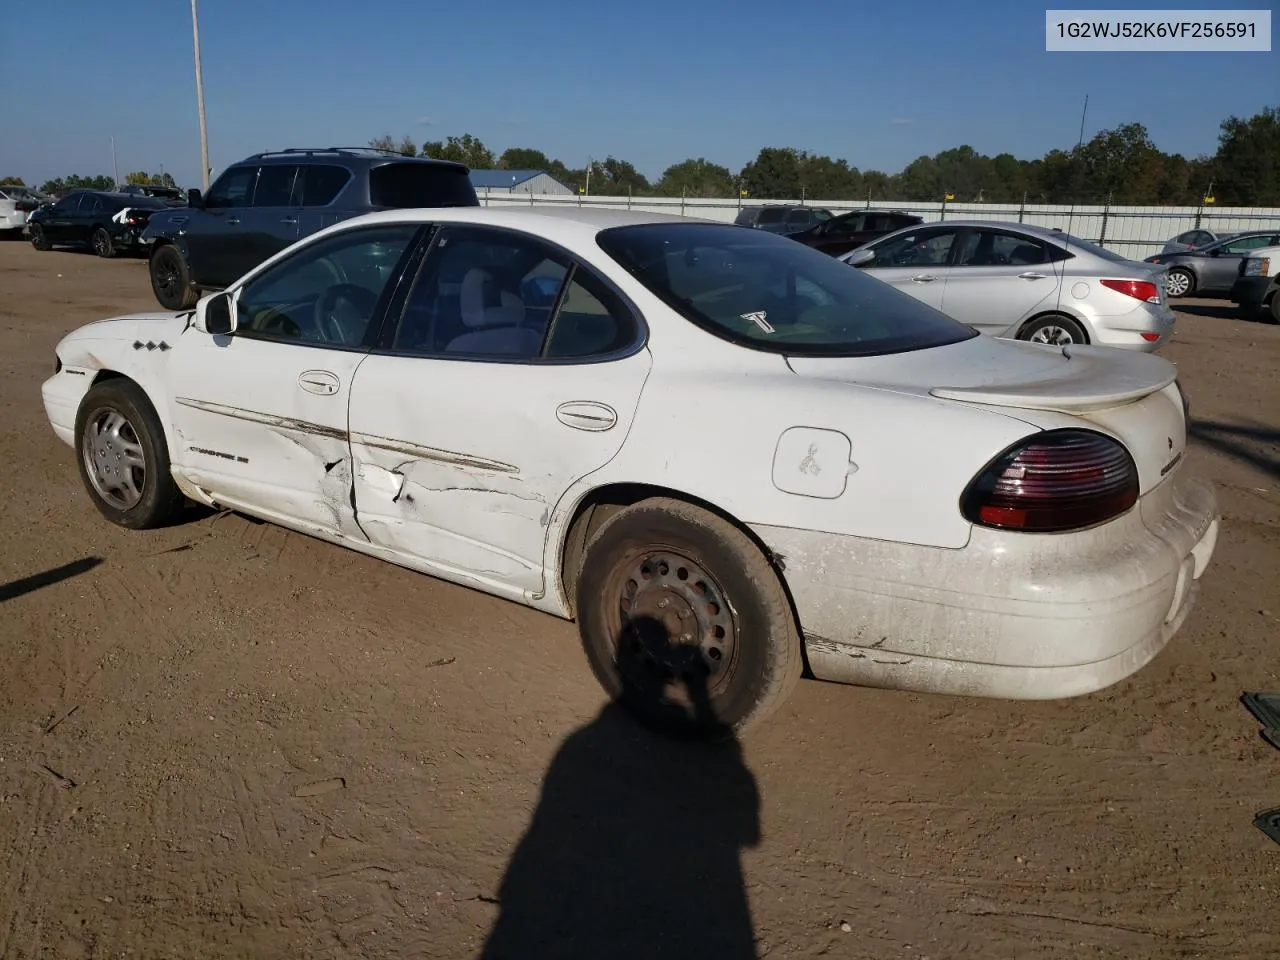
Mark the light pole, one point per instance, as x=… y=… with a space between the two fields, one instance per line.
x=204 y=136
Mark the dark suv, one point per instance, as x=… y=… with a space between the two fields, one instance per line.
x=270 y=200
x=851 y=230
x=785 y=218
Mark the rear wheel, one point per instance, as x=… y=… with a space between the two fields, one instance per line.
x=1180 y=283
x=123 y=457
x=102 y=243
x=1057 y=330
x=684 y=620
x=38 y=238
x=171 y=280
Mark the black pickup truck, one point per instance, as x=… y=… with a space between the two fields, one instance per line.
x=268 y=201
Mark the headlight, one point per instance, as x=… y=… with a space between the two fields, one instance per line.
x=1257 y=267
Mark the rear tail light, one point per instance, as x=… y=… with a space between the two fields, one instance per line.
x=1151 y=337
x=1055 y=481
x=1138 y=289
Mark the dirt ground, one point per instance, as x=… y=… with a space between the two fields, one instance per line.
x=226 y=740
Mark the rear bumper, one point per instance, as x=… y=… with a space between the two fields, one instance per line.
x=1012 y=616
x=1251 y=292
x=1147 y=327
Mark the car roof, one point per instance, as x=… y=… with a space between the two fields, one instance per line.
x=1048 y=233
x=531 y=218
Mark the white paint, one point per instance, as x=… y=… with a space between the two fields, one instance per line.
x=472 y=470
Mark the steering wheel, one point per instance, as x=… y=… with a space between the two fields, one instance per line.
x=346 y=323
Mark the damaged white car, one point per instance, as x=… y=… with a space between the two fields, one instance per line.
x=725 y=454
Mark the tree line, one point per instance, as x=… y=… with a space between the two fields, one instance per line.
x=75 y=181
x=1120 y=165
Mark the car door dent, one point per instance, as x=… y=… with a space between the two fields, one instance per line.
x=431 y=453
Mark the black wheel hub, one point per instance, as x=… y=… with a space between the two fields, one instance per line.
x=676 y=623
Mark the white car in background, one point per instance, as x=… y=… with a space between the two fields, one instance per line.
x=716 y=448
x=16 y=205
x=1257 y=286
x=1026 y=283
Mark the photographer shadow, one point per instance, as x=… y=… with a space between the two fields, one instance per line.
x=634 y=849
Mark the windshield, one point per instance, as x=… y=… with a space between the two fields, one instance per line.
x=767 y=292
x=1067 y=240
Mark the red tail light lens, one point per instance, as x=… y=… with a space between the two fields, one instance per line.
x=1056 y=481
x=1138 y=289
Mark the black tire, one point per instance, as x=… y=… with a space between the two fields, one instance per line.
x=1185 y=275
x=696 y=569
x=171 y=280
x=1041 y=330
x=38 y=239
x=160 y=500
x=1271 y=312
x=102 y=243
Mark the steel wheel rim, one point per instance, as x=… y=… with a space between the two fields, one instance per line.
x=166 y=275
x=113 y=458
x=1177 y=283
x=677 y=623
x=99 y=243
x=1052 y=334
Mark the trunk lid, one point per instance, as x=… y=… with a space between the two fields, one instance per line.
x=1131 y=395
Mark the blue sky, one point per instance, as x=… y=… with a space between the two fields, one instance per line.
x=653 y=83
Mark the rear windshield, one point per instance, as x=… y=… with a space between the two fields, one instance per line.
x=17 y=193
x=1075 y=243
x=767 y=292
x=140 y=203
x=420 y=185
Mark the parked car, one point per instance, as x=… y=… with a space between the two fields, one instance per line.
x=1257 y=288
x=1024 y=282
x=782 y=217
x=563 y=408
x=850 y=230
x=16 y=205
x=259 y=206
x=1211 y=270
x=107 y=223
x=1194 y=240
x=171 y=195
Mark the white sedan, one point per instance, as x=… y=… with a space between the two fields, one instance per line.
x=723 y=453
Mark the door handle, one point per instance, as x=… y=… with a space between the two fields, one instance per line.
x=320 y=382
x=923 y=278
x=1031 y=276
x=233 y=220
x=587 y=415
x=288 y=219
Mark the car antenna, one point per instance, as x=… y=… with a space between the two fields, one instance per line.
x=1066 y=235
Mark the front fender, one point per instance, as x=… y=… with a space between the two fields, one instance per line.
x=138 y=348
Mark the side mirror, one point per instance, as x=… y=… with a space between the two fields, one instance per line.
x=860 y=258
x=214 y=315
x=194 y=199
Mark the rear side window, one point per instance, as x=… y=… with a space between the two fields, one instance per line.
x=771 y=215
x=321 y=183
x=420 y=185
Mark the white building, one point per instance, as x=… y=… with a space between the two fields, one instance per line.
x=516 y=181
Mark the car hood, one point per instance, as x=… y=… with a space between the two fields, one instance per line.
x=1127 y=394
x=159 y=327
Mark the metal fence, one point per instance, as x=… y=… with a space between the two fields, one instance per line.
x=1134 y=232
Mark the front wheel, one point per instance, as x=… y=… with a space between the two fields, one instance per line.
x=1057 y=331
x=171 y=280
x=38 y=238
x=123 y=458
x=684 y=620
x=1271 y=312
x=103 y=245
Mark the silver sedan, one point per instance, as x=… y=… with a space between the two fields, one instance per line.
x=1024 y=282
